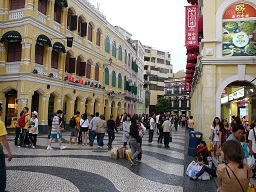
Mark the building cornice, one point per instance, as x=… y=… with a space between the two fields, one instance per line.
x=229 y=61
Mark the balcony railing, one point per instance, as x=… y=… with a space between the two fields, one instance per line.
x=13 y=67
x=42 y=17
x=16 y=14
x=56 y=26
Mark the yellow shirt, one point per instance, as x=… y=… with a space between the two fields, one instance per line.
x=27 y=120
x=77 y=121
x=2 y=130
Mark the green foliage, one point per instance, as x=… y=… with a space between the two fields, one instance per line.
x=163 y=105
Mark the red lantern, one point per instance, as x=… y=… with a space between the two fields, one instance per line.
x=191 y=57
x=187 y=87
x=193 y=49
x=188 y=71
x=190 y=66
x=193 y=2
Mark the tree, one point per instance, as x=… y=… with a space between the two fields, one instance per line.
x=163 y=105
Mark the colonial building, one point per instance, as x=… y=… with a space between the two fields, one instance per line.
x=59 y=54
x=157 y=69
x=174 y=90
x=224 y=80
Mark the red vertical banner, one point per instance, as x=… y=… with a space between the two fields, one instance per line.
x=191 y=25
x=187 y=87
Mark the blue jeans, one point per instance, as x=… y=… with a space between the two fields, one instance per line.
x=176 y=126
x=111 y=137
x=151 y=134
x=2 y=172
x=100 y=137
x=208 y=170
x=93 y=135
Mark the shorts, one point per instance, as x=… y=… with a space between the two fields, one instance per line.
x=74 y=132
x=84 y=129
x=55 y=136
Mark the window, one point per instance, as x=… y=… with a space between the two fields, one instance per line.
x=57 y=12
x=55 y=57
x=97 y=69
x=98 y=37
x=184 y=103
x=129 y=59
x=78 y=66
x=106 y=76
x=88 y=69
x=82 y=27
x=70 y=64
x=169 y=89
x=147 y=51
x=153 y=59
x=146 y=58
x=107 y=45
x=113 y=79
x=90 y=27
x=120 y=53
x=14 y=52
x=125 y=57
x=17 y=4
x=176 y=104
x=167 y=62
x=119 y=81
x=39 y=54
x=160 y=53
x=71 y=20
x=114 y=49
x=42 y=6
x=160 y=61
x=176 y=89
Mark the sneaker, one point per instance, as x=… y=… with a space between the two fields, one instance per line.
x=62 y=147
x=132 y=161
x=49 y=148
x=33 y=147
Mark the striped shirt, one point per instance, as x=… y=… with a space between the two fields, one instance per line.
x=55 y=125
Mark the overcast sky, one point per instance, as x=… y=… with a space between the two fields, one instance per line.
x=159 y=24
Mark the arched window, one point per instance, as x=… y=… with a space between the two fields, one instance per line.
x=125 y=57
x=14 y=51
x=82 y=27
x=184 y=102
x=107 y=45
x=39 y=54
x=71 y=20
x=113 y=79
x=119 y=81
x=88 y=69
x=106 y=76
x=114 y=49
x=97 y=70
x=55 y=58
x=70 y=65
x=90 y=28
x=57 y=12
x=42 y=6
x=80 y=67
x=98 y=35
x=120 y=53
x=129 y=59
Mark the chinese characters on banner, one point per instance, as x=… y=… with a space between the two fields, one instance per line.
x=191 y=25
x=187 y=87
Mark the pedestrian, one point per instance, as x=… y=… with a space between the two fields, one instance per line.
x=202 y=146
x=101 y=129
x=117 y=121
x=238 y=132
x=33 y=130
x=142 y=131
x=176 y=122
x=111 y=131
x=190 y=123
x=93 y=124
x=215 y=136
x=55 y=132
x=23 y=123
x=157 y=118
x=74 y=124
x=167 y=131
x=126 y=129
x=134 y=140
x=3 y=143
x=84 y=127
x=152 y=127
x=235 y=175
x=18 y=132
x=252 y=144
x=225 y=130
x=160 y=129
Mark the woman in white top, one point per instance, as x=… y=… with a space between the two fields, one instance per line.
x=33 y=131
x=84 y=127
x=215 y=136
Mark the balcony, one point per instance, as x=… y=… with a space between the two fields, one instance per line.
x=41 y=17
x=16 y=14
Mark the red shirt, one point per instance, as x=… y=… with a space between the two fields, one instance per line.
x=199 y=149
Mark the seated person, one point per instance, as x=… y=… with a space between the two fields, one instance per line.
x=205 y=166
x=202 y=146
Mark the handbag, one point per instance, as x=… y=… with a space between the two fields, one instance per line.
x=196 y=169
x=189 y=168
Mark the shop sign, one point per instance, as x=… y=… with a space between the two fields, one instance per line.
x=187 y=87
x=239 y=31
x=224 y=99
x=191 y=25
x=225 y=91
x=236 y=95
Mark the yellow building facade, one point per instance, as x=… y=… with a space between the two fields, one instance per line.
x=224 y=80
x=41 y=70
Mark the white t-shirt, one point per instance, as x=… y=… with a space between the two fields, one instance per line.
x=152 y=121
x=84 y=123
x=157 y=118
x=215 y=130
x=251 y=137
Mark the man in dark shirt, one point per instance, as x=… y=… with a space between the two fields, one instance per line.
x=111 y=132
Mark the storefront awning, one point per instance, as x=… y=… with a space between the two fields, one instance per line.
x=59 y=47
x=11 y=36
x=200 y=24
x=193 y=2
x=63 y=2
x=43 y=39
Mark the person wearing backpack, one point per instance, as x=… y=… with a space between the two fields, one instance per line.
x=74 y=124
x=23 y=123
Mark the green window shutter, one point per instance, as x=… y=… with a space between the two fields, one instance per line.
x=106 y=76
x=119 y=81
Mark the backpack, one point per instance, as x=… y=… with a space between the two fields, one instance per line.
x=72 y=122
x=21 y=121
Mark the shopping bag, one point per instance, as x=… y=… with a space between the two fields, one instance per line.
x=205 y=176
x=128 y=153
x=190 y=168
x=195 y=170
x=210 y=147
x=121 y=153
x=251 y=161
x=113 y=153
